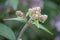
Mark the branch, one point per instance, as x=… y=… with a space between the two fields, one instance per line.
x=23 y=30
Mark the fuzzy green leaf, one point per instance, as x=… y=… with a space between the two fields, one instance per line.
x=36 y=22
x=17 y=19
x=27 y=14
x=7 y=32
x=14 y=3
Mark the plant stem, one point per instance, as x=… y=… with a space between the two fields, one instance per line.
x=23 y=30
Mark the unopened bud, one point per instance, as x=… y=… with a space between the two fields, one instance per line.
x=34 y=12
x=19 y=13
x=43 y=18
x=38 y=9
x=35 y=16
x=31 y=11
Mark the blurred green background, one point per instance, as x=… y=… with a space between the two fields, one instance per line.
x=49 y=7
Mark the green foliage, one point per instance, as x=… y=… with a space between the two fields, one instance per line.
x=7 y=32
x=2 y=1
x=42 y=27
x=17 y=19
x=51 y=8
x=14 y=3
x=27 y=14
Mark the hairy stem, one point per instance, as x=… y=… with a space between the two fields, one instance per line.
x=23 y=30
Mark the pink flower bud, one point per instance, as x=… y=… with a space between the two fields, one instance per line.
x=43 y=18
x=19 y=13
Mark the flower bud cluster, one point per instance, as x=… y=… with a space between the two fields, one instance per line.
x=35 y=13
x=19 y=13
